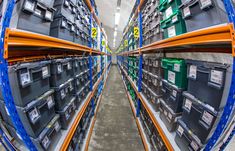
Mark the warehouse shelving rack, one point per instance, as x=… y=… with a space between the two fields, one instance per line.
x=217 y=39
x=20 y=46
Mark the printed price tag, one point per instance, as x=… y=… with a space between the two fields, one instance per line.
x=217 y=76
x=50 y=102
x=207 y=118
x=188 y=104
x=171 y=31
x=186 y=12
x=205 y=3
x=177 y=67
x=168 y=12
x=33 y=115
x=59 y=68
x=94 y=32
x=193 y=72
x=25 y=78
x=194 y=145
x=45 y=72
x=180 y=130
x=171 y=76
x=136 y=32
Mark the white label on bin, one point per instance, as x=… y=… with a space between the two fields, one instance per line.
x=62 y=93
x=155 y=82
x=63 y=23
x=188 y=104
x=69 y=66
x=59 y=68
x=66 y=3
x=174 y=93
x=169 y=12
x=180 y=130
x=174 y=19
x=48 y=15
x=70 y=86
x=76 y=64
x=171 y=31
x=194 y=145
x=170 y=116
x=7 y=111
x=33 y=115
x=67 y=115
x=177 y=67
x=45 y=71
x=217 y=76
x=57 y=126
x=207 y=118
x=165 y=112
x=50 y=102
x=160 y=83
x=193 y=72
x=186 y=12
x=205 y=3
x=78 y=82
x=29 y=5
x=155 y=64
x=171 y=76
x=45 y=142
x=25 y=78
x=38 y=12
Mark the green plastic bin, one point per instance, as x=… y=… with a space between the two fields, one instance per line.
x=165 y=4
x=174 y=25
x=175 y=71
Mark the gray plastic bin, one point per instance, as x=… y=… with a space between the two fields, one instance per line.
x=32 y=16
x=67 y=113
x=36 y=115
x=63 y=28
x=185 y=139
x=49 y=3
x=61 y=71
x=206 y=81
x=47 y=137
x=76 y=67
x=28 y=81
x=63 y=94
x=199 y=117
x=199 y=15
x=65 y=8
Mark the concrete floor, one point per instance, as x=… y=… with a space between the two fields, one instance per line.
x=115 y=128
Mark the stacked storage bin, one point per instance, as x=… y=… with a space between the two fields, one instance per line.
x=35 y=104
x=173 y=85
x=173 y=23
x=203 y=103
x=133 y=71
x=151 y=77
x=151 y=24
x=33 y=15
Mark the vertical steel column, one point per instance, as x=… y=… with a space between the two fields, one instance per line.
x=231 y=98
x=140 y=59
x=5 y=83
x=8 y=143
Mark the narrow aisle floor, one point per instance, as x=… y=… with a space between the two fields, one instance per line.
x=115 y=128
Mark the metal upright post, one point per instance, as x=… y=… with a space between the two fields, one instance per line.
x=5 y=83
x=140 y=59
x=7 y=141
x=229 y=107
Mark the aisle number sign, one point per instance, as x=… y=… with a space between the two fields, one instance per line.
x=136 y=32
x=103 y=42
x=94 y=32
x=126 y=43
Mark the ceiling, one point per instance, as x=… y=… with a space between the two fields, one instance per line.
x=106 y=10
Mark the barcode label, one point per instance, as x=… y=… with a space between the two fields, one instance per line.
x=216 y=76
x=174 y=19
x=45 y=72
x=187 y=12
x=168 y=12
x=188 y=104
x=25 y=78
x=180 y=130
x=177 y=67
x=33 y=115
x=171 y=76
x=45 y=142
x=207 y=118
x=193 y=72
x=171 y=31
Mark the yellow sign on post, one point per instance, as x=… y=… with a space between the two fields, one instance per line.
x=126 y=43
x=103 y=42
x=136 y=32
x=94 y=32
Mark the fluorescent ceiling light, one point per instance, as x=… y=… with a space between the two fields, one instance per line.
x=117 y=18
x=115 y=34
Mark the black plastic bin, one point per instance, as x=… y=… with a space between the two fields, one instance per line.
x=201 y=119
x=155 y=66
x=67 y=113
x=48 y=136
x=28 y=81
x=65 y=8
x=185 y=139
x=61 y=70
x=172 y=96
x=35 y=116
x=63 y=94
x=199 y=15
x=32 y=16
x=206 y=82
x=155 y=84
x=168 y=117
x=76 y=67
x=63 y=28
